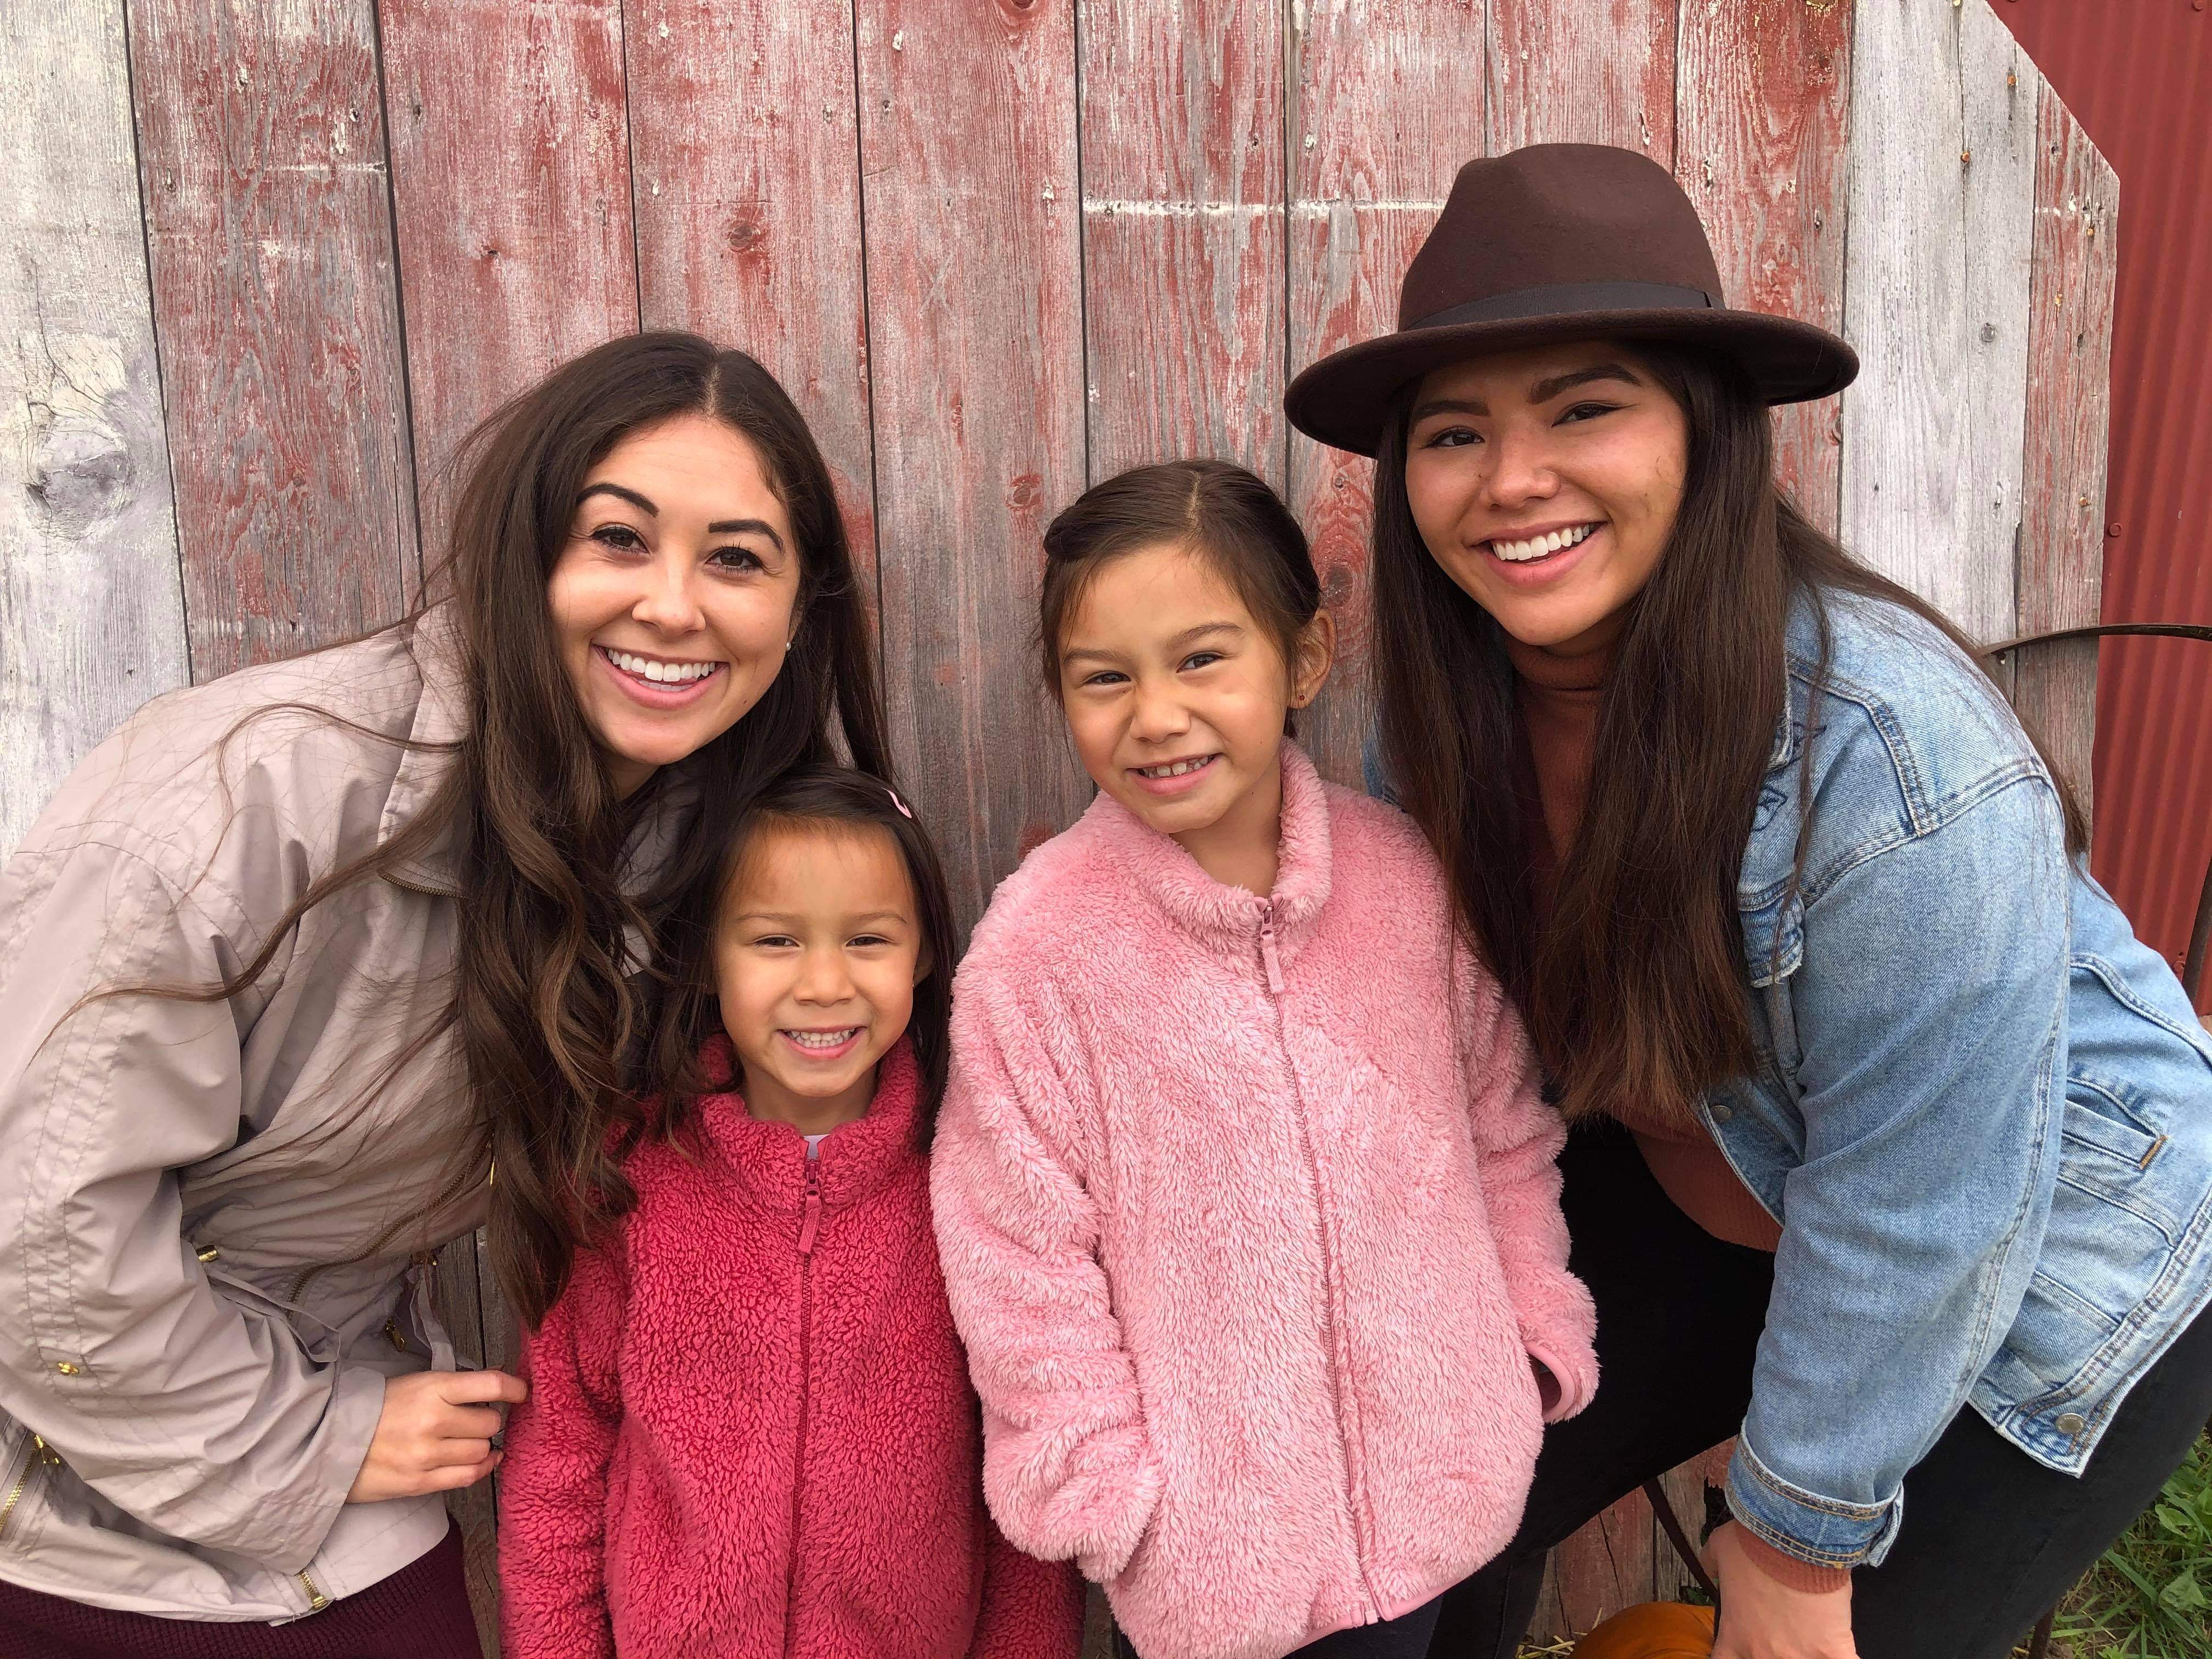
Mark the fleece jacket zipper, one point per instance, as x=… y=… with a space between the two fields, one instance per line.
x=1272 y=963
x=809 y=1226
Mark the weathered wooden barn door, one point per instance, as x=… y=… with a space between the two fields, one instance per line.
x=268 y=262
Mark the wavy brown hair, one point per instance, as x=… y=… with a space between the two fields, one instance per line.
x=1634 y=992
x=563 y=995
x=569 y=1001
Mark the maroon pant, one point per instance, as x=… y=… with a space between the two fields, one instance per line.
x=421 y=1612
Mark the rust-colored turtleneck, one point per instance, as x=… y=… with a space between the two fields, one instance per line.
x=1557 y=698
x=1558 y=704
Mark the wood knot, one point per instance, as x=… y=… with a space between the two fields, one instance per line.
x=1336 y=586
x=744 y=235
x=84 y=480
x=1025 y=492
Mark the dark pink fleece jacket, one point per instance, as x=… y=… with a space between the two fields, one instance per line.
x=749 y=1433
x=1251 y=1223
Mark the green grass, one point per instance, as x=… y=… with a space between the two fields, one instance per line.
x=2151 y=1597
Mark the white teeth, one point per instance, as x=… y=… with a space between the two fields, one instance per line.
x=1537 y=547
x=823 y=1039
x=669 y=673
x=1175 y=768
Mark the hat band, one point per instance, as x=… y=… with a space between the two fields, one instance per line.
x=1564 y=299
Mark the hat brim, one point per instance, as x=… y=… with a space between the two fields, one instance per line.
x=1344 y=399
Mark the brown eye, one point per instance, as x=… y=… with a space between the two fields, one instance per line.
x=620 y=537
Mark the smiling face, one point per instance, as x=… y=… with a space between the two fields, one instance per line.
x=1176 y=698
x=1545 y=483
x=675 y=595
x=817 y=949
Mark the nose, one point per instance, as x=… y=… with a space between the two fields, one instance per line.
x=1521 y=469
x=823 y=977
x=1160 y=714
x=667 y=601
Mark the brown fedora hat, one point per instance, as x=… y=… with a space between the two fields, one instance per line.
x=1559 y=242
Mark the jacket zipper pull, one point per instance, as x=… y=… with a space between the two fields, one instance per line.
x=812 y=1224
x=1268 y=957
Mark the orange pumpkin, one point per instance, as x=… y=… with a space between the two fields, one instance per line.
x=1655 y=1629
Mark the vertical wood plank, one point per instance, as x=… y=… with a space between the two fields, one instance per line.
x=1384 y=105
x=269 y=232
x=1582 y=72
x=975 y=306
x=510 y=158
x=1937 y=302
x=1181 y=126
x=747 y=192
x=1605 y=1567
x=91 y=610
x=1762 y=100
x=2070 y=354
x=1686 y=1489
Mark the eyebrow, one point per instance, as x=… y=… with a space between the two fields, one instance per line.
x=1542 y=393
x=1187 y=635
x=644 y=504
x=787 y=916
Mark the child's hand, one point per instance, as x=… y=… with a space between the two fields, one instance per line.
x=435 y=1434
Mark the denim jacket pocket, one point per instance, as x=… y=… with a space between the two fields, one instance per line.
x=1773 y=937
x=2108 y=1241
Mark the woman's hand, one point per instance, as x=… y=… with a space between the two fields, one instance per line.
x=1762 y=1618
x=435 y=1434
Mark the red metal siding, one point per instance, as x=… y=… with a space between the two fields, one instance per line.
x=2138 y=77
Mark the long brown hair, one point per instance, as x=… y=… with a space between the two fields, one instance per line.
x=567 y=1015
x=1634 y=992
x=561 y=989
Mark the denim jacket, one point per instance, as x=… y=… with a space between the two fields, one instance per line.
x=1983 y=1110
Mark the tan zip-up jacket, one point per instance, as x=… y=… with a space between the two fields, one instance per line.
x=214 y=1224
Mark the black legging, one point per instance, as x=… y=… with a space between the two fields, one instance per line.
x=1990 y=1538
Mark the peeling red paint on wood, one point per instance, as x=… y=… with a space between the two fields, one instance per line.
x=747 y=190
x=285 y=391
x=1182 y=183
x=2070 y=354
x=1763 y=104
x=967 y=148
x=511 y=179
x=1385 y=104
x=1583 y=72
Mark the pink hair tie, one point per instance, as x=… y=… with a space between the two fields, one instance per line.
x=896 y=802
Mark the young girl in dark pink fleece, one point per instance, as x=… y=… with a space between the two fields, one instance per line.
x=749 y=1433
x=1244 y=1187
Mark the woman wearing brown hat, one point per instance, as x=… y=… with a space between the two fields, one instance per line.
x=1892 y=1148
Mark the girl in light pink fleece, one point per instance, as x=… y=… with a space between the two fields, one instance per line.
x=1243 y=1187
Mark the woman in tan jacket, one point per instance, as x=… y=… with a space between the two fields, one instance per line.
x=293 y=956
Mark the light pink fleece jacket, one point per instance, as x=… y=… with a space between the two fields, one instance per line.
x=1250 y=1220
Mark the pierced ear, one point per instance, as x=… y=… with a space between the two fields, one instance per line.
x=1316 y=655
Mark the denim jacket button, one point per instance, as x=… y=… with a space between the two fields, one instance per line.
x=2070 y=1422
x=1721 y=1110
